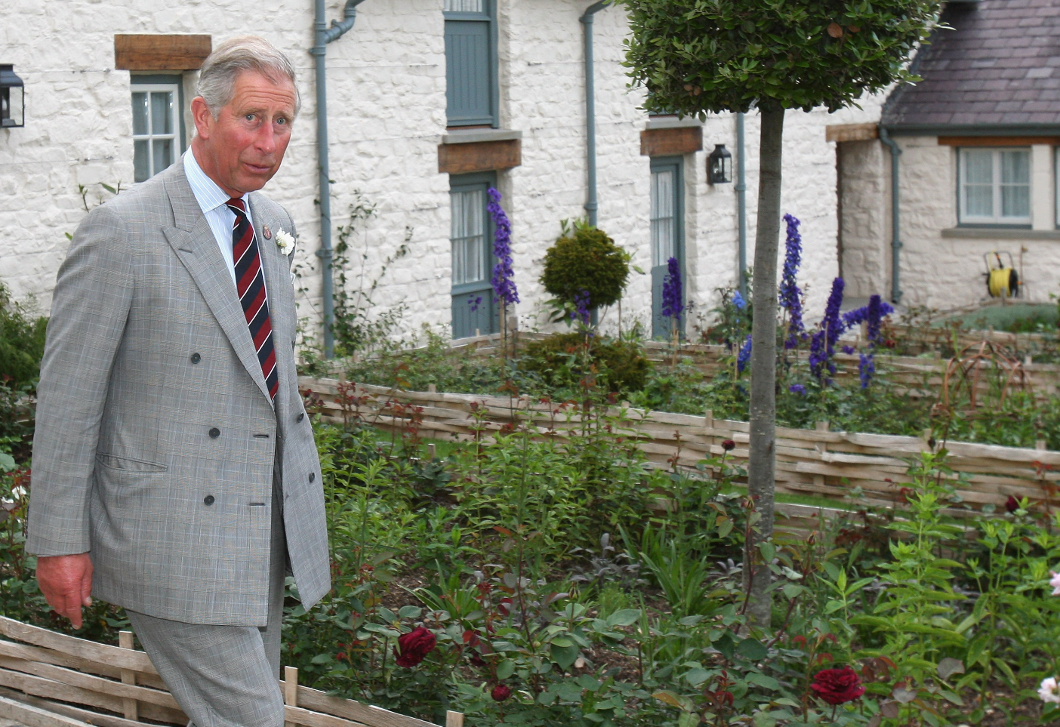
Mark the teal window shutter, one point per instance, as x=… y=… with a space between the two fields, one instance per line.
x=471 y=240
x=470 y=64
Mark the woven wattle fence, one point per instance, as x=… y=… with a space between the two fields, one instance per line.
x=845 y=466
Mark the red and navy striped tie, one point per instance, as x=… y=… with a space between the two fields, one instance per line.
x=250 y=285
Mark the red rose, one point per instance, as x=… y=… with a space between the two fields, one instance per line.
x=500 y=693
x=1012 y=504
x=414 y=646
x=728 y=445
x=836 y=686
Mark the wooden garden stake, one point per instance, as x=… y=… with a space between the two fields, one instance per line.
x=128 y=676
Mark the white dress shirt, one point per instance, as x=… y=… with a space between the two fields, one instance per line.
x=212 y=199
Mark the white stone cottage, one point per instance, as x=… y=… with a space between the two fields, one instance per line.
x=428 y=102
x=975 y=146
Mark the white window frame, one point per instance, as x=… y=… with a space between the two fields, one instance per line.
x=175 y=137
x=996 y=219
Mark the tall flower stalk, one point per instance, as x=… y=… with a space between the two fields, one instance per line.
x=822 y=344
x=789 y=296
x=503 y=273
x=673 y=302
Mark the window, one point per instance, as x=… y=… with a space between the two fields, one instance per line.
x=470 y=236
x=995 y=186
x=158 y=139
x=667 y=233
x=470 y=63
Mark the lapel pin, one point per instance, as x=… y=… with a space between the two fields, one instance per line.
x=266 y=232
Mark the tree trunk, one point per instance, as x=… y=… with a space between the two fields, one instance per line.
x=761 y=469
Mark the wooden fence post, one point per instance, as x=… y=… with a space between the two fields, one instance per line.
x=290 y=690
x=454 y=719
x=128 y=676
x=822 y=447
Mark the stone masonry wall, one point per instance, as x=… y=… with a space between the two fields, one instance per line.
x=386 y=117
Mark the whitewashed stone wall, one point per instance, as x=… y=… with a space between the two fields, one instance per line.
x=386 y=115
x=938 y=270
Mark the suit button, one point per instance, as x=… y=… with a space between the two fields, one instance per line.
x=301 y=416
x=196 y=358
x=312 y=476
x=208 y=500
x=215 y=433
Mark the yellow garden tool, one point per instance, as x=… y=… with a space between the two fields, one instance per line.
x=1001 y=281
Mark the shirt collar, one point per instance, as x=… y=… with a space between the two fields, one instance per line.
x=207 y=193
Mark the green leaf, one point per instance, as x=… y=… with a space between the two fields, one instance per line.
x=505 y=668
x=412 y=612
x=697 y=676
x=7 y=462
x=763 y=681
x=564 y=655
x=624 y=617
x=752 y=649
x=673 y=699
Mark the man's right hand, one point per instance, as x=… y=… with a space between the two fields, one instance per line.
x=66 y=582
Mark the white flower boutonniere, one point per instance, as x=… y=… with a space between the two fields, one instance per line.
x=285 y=241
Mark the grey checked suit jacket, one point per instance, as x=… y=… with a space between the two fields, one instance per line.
x=156 y=441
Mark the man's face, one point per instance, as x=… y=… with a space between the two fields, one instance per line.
x=242 y=148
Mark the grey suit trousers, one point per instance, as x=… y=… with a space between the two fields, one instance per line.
x=224 y=676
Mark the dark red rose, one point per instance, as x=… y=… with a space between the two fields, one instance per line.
x=500 y=693
x=728 y=445
x=1012 y=504
x=837 y=686
x=414 y=646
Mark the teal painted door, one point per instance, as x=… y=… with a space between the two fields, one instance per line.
x=667 y=235
x=474 y=310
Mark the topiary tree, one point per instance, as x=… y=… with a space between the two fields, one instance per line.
x=585 y=262
x=699 y=56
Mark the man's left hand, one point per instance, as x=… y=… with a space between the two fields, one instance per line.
x=66 y=582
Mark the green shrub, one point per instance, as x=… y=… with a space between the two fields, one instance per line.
x=21 y=341
x=559 y=362
x=587 y=261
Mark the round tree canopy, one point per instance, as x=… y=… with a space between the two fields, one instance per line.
x=587 y=262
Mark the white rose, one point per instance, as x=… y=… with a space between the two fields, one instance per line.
x=285 y=241
x=1049 y=692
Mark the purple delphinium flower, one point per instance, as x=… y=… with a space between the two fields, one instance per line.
x=822 y=345
x=790 y=297
x=744 y=355
x=875 y=310
x=738 y=301
x=503 y=284
x=672 y=300
x=797 y=389
x=474 y=302
x=866 y=368
x=581 y=303
x=848 y=350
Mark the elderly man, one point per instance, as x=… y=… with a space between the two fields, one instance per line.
x=174 y=468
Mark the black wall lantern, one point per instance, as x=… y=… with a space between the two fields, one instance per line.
x=719 y=166
x=12 y=98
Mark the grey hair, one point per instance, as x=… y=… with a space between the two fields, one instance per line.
x=217 y=77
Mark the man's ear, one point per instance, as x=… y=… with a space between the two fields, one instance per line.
x=204 y=120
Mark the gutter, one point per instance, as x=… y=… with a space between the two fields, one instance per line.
x=741 y=201
x=590 y=108
x=896 y=240
x=322 y=35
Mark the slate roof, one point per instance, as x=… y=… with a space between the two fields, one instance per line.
x=998 y=67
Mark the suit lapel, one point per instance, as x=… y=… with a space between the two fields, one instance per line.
x=195 y=245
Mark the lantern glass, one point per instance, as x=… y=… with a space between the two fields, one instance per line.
x=12 y=98
x=719 y=166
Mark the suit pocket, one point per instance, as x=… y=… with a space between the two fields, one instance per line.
x=126 y=464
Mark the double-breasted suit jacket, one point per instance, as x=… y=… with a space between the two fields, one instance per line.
x=156 y=442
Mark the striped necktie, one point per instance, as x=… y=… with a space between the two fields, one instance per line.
x=250 y=285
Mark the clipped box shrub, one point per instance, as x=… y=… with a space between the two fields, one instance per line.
x=559 y=362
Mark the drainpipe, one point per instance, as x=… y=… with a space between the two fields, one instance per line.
x=590 y=108
x=896 y=240
x=741 y=201
x=322 y=35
